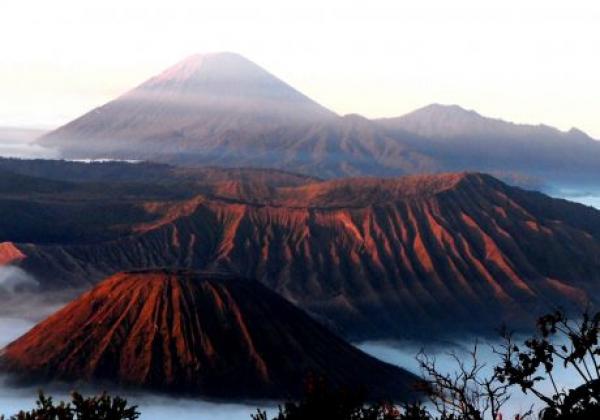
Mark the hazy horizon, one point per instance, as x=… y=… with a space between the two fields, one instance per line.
x=528 y=63
x=8 y=143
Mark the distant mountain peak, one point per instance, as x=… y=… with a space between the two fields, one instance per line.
x=448 y=121
x=450 y=108
x=577 y=133
x=437 y=110
x=226 y=81
x=199 y=98
x=182 y=70
x=210 y=67
x=437 y=120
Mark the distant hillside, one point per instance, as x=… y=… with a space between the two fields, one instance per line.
x=144 y=172
x=459 y=139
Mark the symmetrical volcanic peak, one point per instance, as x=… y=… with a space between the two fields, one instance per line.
x=203 y=73
x=193 y=333
x=199 y=99
x=227 y=82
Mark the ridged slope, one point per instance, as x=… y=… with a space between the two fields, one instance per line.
x=193 y=333
x=377 y=258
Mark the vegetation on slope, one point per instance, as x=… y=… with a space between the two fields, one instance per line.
x=102 y=407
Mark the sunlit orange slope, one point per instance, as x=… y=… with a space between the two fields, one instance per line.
x=197 y=334
x=375 y=257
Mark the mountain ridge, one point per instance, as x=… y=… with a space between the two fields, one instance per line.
x=373 y=258
x=440 y=114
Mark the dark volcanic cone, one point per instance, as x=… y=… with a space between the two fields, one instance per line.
x=190 y=333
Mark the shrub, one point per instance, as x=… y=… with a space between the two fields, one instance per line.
x=103 y=407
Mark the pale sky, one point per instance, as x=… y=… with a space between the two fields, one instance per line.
x=523 y=60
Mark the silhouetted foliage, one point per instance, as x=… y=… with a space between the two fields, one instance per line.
x=474 y=391
x=574 y=345
x=103 y=407
x=322 y=402
x=468 y=393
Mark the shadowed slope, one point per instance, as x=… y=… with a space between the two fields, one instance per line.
x=190 y=333
x=143 y=173
x=45 y=201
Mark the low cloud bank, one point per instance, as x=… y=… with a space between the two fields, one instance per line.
x=14 y=279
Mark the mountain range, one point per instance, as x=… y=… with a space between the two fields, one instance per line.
x=223 y=110
x=371 y=258
x=225 y=230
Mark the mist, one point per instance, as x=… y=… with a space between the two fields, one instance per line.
x=151 y=406
x=581 y=196
x=404 y=354
x=14 y=278
x=26 y=151
x=20 y=143
x=588 y=200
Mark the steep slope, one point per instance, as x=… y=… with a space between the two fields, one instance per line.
x=376 y=257
x=193 y=333
x=459 y=139
x=197 y=102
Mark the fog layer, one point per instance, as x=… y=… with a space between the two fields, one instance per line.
x=20 y=143
x=404 y=354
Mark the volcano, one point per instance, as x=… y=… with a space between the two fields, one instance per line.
x=378 y=258
x=195 y=334
x=198 y=104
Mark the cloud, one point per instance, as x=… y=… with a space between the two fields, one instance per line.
x=14 y=279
